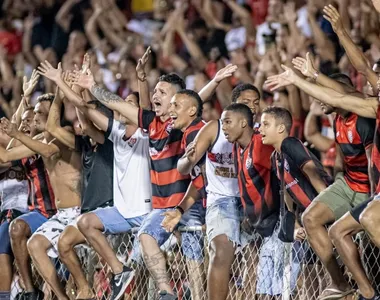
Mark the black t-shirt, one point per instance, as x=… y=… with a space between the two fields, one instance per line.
x=97 y=174
x=297 y=183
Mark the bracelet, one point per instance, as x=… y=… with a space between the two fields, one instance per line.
x=180 y=209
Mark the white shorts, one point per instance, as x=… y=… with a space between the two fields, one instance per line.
x=55 y=226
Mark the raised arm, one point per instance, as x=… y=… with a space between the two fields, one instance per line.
x=35 y=146
x=208 y=90
x=142 y=82
x=53 y=124
x=307 y=68
x=363 y=107
x=355 y=55
x=28 y=88
x=89 y=129
x=15 y=153
x=64 y=16
x=112 y=101
x=197 y=149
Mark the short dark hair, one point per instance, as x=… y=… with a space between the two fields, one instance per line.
x=49 y=97
x=281 y=114
x=241 y=88
x=174 y=79
x=28 y=108
x=342 y=78
x=242 y=109
x=196 y=99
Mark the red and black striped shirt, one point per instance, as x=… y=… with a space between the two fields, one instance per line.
x=294 y=156
x=41 y=195
x=354 y=135
x=376 y=153
x=168 y=185
x=259 y=196
x=196 y=174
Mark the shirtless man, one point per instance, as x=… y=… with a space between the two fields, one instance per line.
x=64 y=168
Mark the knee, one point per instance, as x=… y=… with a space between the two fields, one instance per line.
x=34 y=244
x=309 y=220
x=219 y=253
x=335 y=233
x=19 y=230
x=64 y=244
x=368 y=220
x=84 y=223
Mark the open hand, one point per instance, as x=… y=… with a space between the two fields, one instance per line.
x=85 y=81
x=86 y=63
x=172 y=218
x=140 y=69
x=47 y=70
x=225 y=72
x=281 y=80
x=305 y=66
x=28 y=86
x=332 y=15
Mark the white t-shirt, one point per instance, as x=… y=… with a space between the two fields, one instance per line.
x=131 y=179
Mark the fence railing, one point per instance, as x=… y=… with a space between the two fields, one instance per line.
x=264 y=267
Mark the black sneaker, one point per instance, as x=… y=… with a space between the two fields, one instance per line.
x=120 y=282
x=36 y=295
x=164 y=295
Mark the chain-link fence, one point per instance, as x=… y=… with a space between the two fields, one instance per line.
x=263 y=269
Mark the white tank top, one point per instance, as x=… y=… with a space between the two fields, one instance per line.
x=220 y=170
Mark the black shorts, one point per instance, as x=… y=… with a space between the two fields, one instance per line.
x=357 y=210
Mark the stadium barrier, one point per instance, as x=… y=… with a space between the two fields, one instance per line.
x=264 y=267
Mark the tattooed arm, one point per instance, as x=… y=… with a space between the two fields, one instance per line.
x=53 y=124
x=114 y=102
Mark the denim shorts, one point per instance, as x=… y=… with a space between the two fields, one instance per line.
x=192 y=241
x=114 y=223
x=224 y=216
x=34 y=219
x=5 y=244
x=271 y=267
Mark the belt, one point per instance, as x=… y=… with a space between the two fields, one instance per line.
x=13 y=174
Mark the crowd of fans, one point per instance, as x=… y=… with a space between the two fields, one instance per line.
x=252 y=119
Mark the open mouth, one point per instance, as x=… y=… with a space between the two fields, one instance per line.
x=157 y=104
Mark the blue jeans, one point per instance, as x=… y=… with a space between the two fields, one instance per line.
x=192 y=242
x=114 y=223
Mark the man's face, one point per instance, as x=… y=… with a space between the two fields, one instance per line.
x=27 y=121
x=163 y=93
x=41 y=113
x=232 y=125
x=269 y=129
x=182 y=111
x=327 y=109
x=251 y=99
x=207 y=112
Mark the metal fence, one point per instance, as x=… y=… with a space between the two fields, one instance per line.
x=264 y=268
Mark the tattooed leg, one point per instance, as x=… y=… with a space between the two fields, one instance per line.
x=155 y=262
